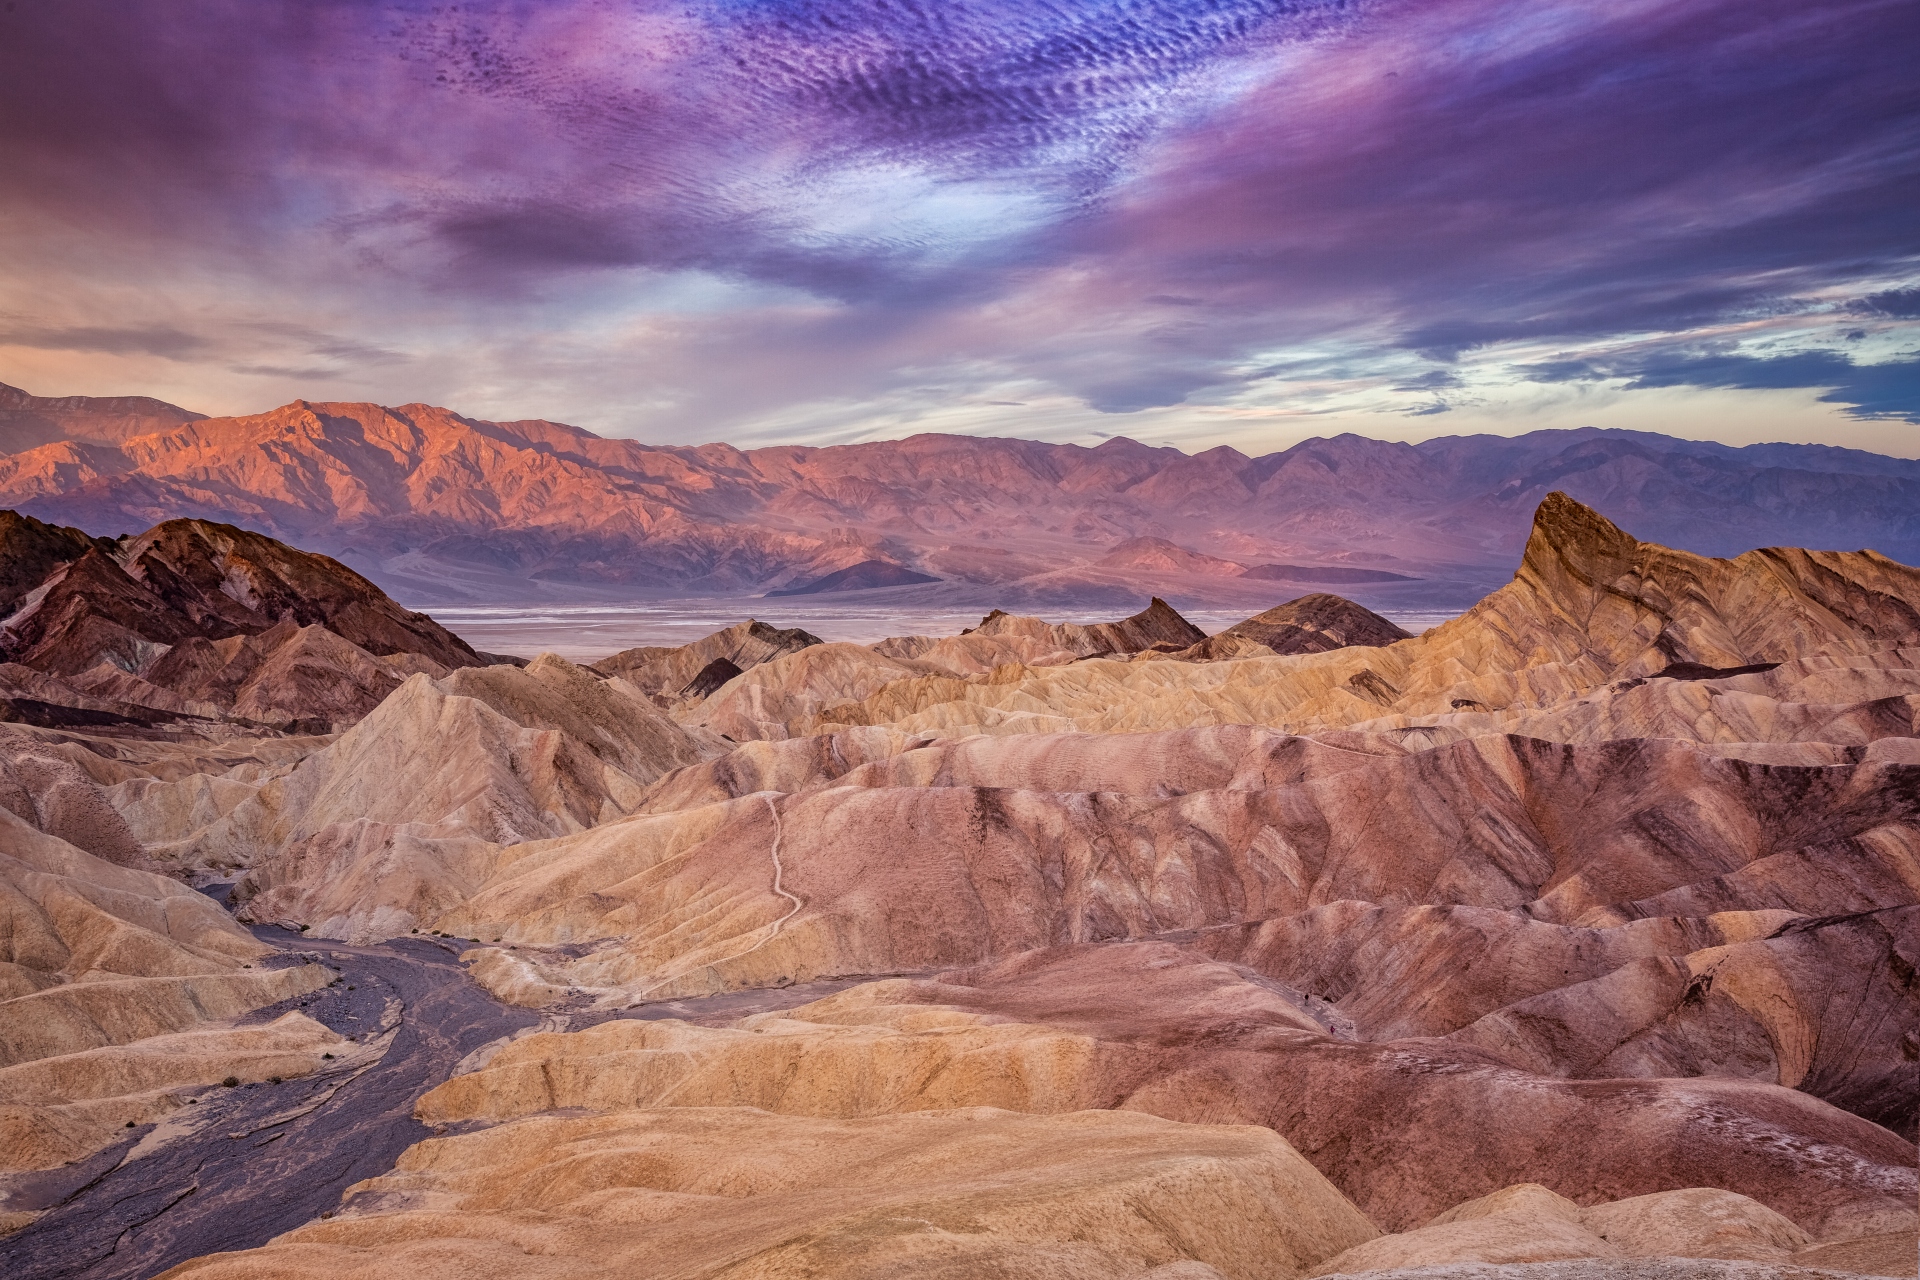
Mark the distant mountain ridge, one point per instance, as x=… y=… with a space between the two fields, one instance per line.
x=439 y=507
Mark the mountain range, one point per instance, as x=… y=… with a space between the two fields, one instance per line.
x=442 y=508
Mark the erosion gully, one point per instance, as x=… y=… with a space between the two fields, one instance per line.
x=261 y=1159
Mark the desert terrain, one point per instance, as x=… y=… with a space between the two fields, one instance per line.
x=1574 y=937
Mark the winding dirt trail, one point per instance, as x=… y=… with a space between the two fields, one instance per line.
x=773 y=929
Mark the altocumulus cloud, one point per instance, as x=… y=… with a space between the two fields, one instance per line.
x=720 y=208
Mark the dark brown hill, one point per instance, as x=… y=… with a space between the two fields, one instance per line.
x=253 y=582
x=201 y=619
x=1317 y=623
x=30 y=550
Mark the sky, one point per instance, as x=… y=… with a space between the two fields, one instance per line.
x=1194 y=222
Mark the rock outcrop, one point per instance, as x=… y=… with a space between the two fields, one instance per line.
x=963 y=1192
x=689 y=671
x=203 y=622
x=1315 y=624
x=96 y=961
x=409 y=810
x=1590 y=608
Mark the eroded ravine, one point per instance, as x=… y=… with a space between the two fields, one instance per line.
x=264 y=1158
x=261 y=1159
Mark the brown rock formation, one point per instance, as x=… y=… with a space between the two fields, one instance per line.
x=670 y=672
x=204 y=621
x=968 y=1192
x=1316 y=623
x=29 y=553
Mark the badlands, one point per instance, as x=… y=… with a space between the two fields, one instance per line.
x=1575 y=937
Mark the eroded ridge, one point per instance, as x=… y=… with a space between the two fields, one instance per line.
x=1578 y=932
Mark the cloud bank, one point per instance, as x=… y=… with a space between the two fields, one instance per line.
x=819 y=220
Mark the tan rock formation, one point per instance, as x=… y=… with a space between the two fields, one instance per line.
x=1149 y=1027
x=1635 y=986
x=406 y=813
x=670 y=673
x=107 y=976
x=1528 y=1223
x=1590 y=606
x=57 y=1109
x=967 y=1192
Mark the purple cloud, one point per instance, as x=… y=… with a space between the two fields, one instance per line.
x=1136 y=202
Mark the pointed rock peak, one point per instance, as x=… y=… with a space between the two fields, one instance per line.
x=1164 y=622
x=789 y=638
x=552 y=664
x=1569 y=536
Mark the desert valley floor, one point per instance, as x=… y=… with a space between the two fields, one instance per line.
x=1574 y=937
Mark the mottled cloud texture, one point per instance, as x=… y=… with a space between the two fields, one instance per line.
x=1199 y=220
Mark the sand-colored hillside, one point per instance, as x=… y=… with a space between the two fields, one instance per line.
x=1577 y=932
